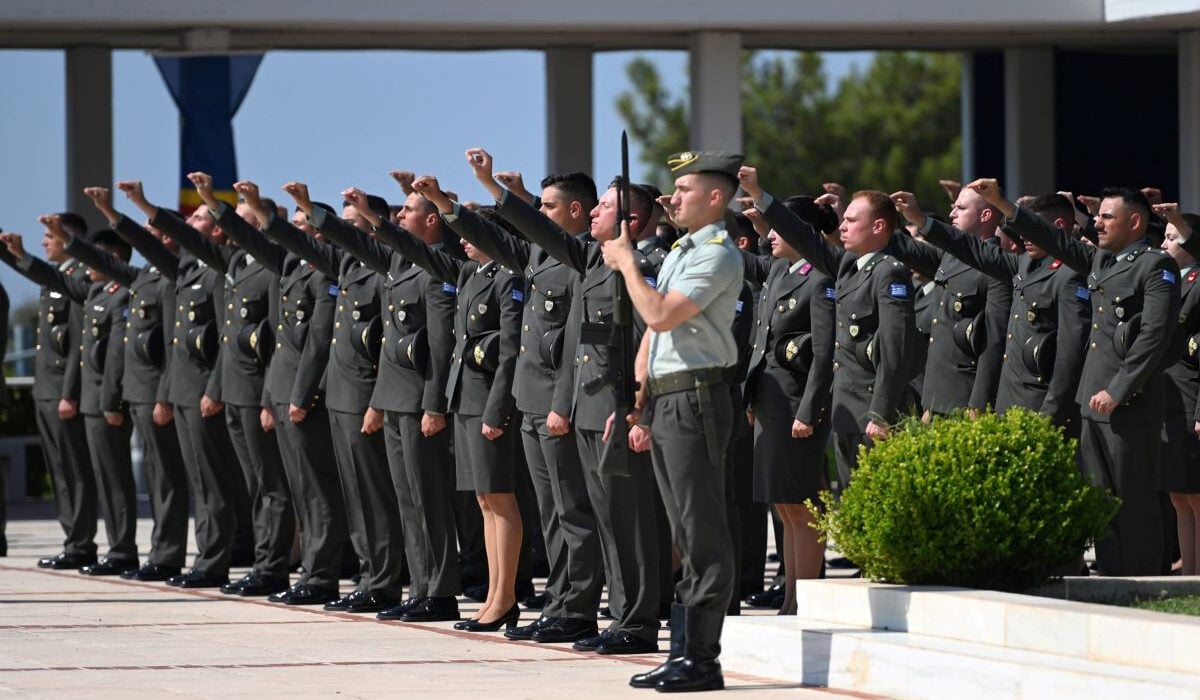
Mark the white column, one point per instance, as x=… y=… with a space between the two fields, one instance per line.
x=968 y=117
x=89 y=127
x=1029 y=121
x=1189 y=120
x=716 y=91
x=568 y=110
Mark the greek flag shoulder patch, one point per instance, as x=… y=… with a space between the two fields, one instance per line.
x=333 y=290
x=1083 y=293
x=1168 y=277
x=449 y=288
x=898 y=290
x=740 y=305
x=652 y=282
x=518 y=295
x=830 y=293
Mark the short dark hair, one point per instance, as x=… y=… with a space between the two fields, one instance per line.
x=110 y=241
x=641 y=201
x=269 y=204
x=727 y=183
x=1131 y=197
x=576 y=187
x=1193 y=221
x=378 y=206
x=882 y=207
x=322 y=205
x=73 y=223
x=1053 y=205
x=822 y=217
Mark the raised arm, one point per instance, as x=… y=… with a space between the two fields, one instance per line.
x=441 y=265
x=796 y=231
x=271 y=255
x=43 y=273
x=1074 y=327
x=132 y=233
x=322 y=255
x=506 y=249
x=1044 y=234
x=500 y=403
x=988 y=259
x=102 y=260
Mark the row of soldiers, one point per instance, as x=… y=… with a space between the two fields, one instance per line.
x=358 y=340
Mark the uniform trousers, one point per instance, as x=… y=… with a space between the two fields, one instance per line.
x=64 y=447
x=214 y=478
x=266 y=488
x=166 y=482
x=308 y=461
x=111 y=460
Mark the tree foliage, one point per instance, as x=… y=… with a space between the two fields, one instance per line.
x=894 y=125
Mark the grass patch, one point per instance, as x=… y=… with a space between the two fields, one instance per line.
x=1187 y=605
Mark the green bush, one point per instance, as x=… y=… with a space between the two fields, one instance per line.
x=995 y=502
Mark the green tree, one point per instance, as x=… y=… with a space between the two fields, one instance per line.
x=894 y=125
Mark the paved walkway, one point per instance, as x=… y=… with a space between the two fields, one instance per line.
x=66 y=635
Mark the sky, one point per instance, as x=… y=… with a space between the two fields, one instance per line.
x=331 y=119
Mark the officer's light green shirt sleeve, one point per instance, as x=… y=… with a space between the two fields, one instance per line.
x=707 y=271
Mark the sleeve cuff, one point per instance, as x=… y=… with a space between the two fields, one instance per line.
x=764 y=202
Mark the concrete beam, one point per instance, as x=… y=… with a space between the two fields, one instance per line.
x=1029 y=121
x=1189 y=120
x=568 y=110
x=715 y=62
x=89 y=121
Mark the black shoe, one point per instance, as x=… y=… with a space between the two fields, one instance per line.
x=233 y=587
x=282 y=596
x=304 y=594
x=197 y=579
x=566 y=629
x=606 y=612
x=699 y=669
x=525 y=632
x=626 y=643
x=344 y=602
x=537 y=601
x=650 y=679
x=66 y=561
x=770 y=598
x=592 y=643
x=476 y=593
x=840 y=563
x=372 y=602
x=151 y=572
x=109 y=567
x=433 y=609
x=692 y=675
x=508 y=620
x=263 y=586
x=397 y=611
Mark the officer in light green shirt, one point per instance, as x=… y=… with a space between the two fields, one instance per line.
x=684 y=365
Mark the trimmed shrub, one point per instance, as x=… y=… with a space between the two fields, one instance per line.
x=996 y=502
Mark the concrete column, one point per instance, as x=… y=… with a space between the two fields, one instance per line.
x=89 y=128
x=1029 y=121
x=1189 y=120
x=715 y=61
x=967 y=119
x=568 y=110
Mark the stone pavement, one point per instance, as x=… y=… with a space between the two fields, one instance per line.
x=66 y=635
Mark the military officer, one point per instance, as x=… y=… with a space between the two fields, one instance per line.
x=151 y=313
x=418 y=335
x=876 y=335
x=487 y=329
x=685 y=363
x=1048 y=318
x=372 y=514
x=56 y=400
x=1134 y=292
x=105 y=413
x=215 y=481
x=292 y=389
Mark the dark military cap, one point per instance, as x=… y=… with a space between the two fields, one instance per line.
x=794 y=351
x=97 y=354
x=412 y=351
x=367 y=338
x=1038 y=354
x=148 y=346
x=721 y=162
x=865 y=352
x=551 y=348
x=969 y=336
x=1125 y=334
x=202 y=343
x=255 y=340
x=1191 y=351
x=483 y=351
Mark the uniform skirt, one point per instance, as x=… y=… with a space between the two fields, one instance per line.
x=786 y=469
x=483 y=465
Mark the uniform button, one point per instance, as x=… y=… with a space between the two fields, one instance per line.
x=935 y=321
x=338 y=324
x=231 y=307
x=586 y=358
x=280 y=326
x=1100 y=309
x=1093 y=346
x=526 y=327
x=464 y=336
x=1010 y=336
x=522 y=348
x=1096 y=326
x=278 y=346
x=333 y=342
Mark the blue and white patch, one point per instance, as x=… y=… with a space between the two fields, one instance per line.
x=652 y=282
x=125 y=312
x=449 y=288
x=1083 y=293
x=333 y=290
x=830 y=293
x=740 y=305
x=1169 y=277
x=897 y=290
x=518 y=296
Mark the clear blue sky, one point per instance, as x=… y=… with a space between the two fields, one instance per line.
x=301 y=121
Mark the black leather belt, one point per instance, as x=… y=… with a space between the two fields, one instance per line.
x=688 y=380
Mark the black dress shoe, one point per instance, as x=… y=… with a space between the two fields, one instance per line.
x=508 y=620
x=626 y=643
x=233 y=587
x=263 y=586
x=198 y=579
x=67 y=561
x=151 y=572
x=692 y=675
x=525 y=632
x=344 y=602
x=566 y=629
x=304 y=594
x=281 y=596
x=108 y=567
x=537 y=601
x=372 y=602
x=770 y=598
x=433 y=609
x=592 y=643
x=397 y=611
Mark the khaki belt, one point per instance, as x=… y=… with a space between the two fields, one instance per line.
x=688 y=380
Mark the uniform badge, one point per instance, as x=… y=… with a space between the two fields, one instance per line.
x=56 y=295
x=805 y=268
x=299 y=314
x=401 y=314
x=549 y=305
x=1120 y=312
x=791 y=303
x=854 y=330
x=244 y=312
x=958 y=306
x=1168 y=276
x=1193 y=347
x=790 y=351
x=95 y=331
x=1056 y=264
x=478 y=354
x=191 y=315
x=50 y=317
x=1192 y=276
x=1031 y=315
x=483 y=309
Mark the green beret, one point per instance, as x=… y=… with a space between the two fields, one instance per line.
x=721 y=162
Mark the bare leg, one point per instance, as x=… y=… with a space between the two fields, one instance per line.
x=489 y=545
x=506 y=532
x=787 y=552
